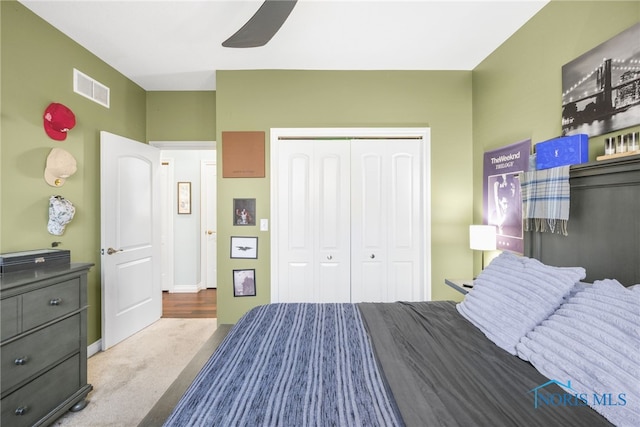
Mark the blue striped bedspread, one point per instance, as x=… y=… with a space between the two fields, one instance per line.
x=291 y=365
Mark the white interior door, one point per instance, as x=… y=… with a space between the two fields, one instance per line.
x=130 y=235
x=386 y=224
x=209 y=230
x=313 y=221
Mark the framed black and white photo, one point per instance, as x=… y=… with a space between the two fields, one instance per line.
x=244 y=247
x=600 y=87
x=244 y=283
x=244 y=211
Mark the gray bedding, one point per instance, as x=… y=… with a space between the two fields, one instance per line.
x=442 y=371
x=368 y=364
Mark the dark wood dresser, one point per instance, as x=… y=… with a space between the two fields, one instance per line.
x=43 y=344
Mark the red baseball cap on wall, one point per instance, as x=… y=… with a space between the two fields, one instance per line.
x=58 y=120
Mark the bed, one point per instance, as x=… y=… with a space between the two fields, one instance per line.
x=532 y=344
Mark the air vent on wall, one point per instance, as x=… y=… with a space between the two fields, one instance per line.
x=90 y=88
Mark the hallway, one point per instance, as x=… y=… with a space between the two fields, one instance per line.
x=190 y=305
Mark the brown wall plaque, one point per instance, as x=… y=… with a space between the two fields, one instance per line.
x=243 y=154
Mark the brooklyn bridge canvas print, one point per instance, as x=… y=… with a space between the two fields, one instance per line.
x=601 y=89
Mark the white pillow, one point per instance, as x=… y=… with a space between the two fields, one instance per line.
x=513 y=294
x=593 y=342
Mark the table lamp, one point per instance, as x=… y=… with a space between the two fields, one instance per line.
x=482 y=238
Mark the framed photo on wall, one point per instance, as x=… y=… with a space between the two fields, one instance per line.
x=184 y=197
x=244 y=211
x=244 y=247
x=244 y=283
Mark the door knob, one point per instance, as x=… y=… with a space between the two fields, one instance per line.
x=112 y=251
x=329 y=257
x=372 y=256
x=210 y=232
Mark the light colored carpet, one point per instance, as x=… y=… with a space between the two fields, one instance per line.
x=130 y=377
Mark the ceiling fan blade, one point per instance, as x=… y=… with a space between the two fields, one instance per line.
x=263 y=24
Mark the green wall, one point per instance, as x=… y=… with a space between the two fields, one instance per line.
x=514 y=94
x=517 y=90
x=181 y=116
x=37 y=69
x=260 y=100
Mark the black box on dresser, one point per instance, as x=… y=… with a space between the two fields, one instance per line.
x=34 y=259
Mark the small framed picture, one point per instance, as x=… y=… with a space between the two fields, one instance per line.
x=244 y=283
x=184 y=197
x=244 y=247
x=244 y=211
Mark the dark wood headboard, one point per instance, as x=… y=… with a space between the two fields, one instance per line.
x=604 y=223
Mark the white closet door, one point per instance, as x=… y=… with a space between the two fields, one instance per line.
x=386 y=225
x=314 y=246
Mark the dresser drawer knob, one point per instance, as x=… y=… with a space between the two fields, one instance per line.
x=55 y=301
x=21 y=361
x=21 y=410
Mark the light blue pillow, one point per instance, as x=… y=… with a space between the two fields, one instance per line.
x=593 y=342
x=513 y=294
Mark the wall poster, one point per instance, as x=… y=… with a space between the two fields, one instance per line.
x=501 y=190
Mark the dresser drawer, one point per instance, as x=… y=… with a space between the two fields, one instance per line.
x=43 y=305
x=9 y=317
x=35 y=352
x=38 y=398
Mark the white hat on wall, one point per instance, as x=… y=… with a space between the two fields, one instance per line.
x=61 y=212
x=60 y=166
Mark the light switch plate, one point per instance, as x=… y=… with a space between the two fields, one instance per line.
x=264 y=224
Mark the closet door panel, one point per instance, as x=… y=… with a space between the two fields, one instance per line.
x=372 y=285
x=332 y=224
x=369 y=180
x=402 y=206
x=295 y=222
x=314 y=192
x=404 y=247
x=386 y=228
x=401 y=280
x=297 y=287
x=370 y=174
x=298 y=213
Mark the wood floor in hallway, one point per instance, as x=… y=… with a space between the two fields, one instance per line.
x=190 y=305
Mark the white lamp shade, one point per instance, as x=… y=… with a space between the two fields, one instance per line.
x=482 y=237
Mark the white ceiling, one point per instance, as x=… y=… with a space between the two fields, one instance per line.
x=177 y=44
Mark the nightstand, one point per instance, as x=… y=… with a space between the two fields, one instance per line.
x=461 y=285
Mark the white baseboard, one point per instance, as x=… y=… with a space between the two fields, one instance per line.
x=94 y=348
x=185 y=289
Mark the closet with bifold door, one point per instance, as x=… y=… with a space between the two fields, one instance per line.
x=349 y=219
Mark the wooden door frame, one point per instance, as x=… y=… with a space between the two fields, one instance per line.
x=167 y=147
x=203 y=224
x=353 y=133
